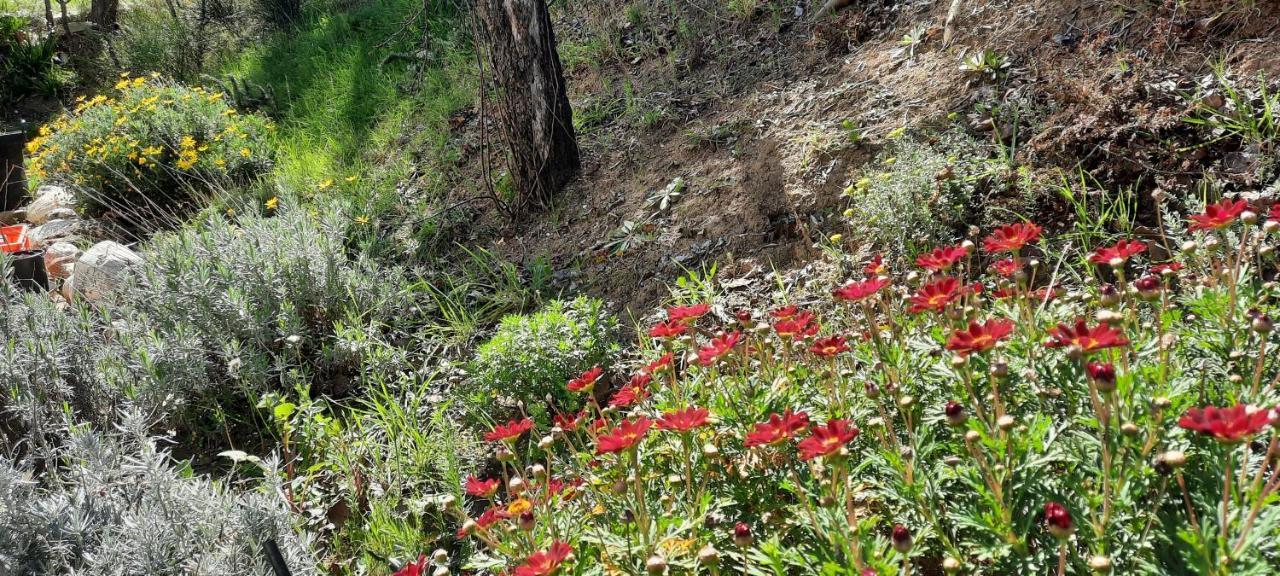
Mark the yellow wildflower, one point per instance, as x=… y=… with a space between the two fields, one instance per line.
x=519 y=506
x=273 y=203
x=362 y=220
x=325 y=184
x=245 y=152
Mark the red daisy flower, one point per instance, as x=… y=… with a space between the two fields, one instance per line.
x=802 y=325
x=418 y=568
x=634 y=391
x=545 y=562
x=1058 y=520
x=1170 y=267
x=1006 y=268
x=784 y=313
x=941 y=259
x=481 y=488
x=779 y=428
x=979 y=337
x=683 y=420
x=1011 y=238
x=488 y=518
x=659 y=365
x=1046 y=294
x=860 y=290
x=936 y=296
x=719 y=346
x=568 y=422
x=509 y=431
x=876 y=266
x=827 y=439
x=1218 y=216
x=829 y=346
x=687 y=314
x=627 y=434
x=586 y=381
x=668 y=329
x=1084 y=338
x=1118 y=254
x=1228 y=425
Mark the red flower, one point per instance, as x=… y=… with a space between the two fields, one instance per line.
x=1170 y=267
x=1045 y=294
x=488 y=518
x=418 y=568
x=1228 y=425
x=662 y=363
x=979 y=337
x=481 y=488
x=875 y=267
x=545 y=562
x=860 y=290
x=785 y=313
x=1274 y=214
x=669 y=329
x=942 y=258
x=634 y=391
x=684 y=420
x=568 y=422
x=827 y=439
x=779 y=428
x=719 y=346
x=1118 y=254
x=829 y=346
x=802 y=325
x=1058 y=520
x=1086 y=339
x=687 y=314
x=935 y=296
x=509 y=431
x=1011 y=238
x=1007 y=267
x=626 y=435
x=1218 y=216
x=586 y=382
x=1102 y=372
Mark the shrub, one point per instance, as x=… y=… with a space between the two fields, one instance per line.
x=115 y=503
x=27 y=63
x=919 y=194
x=532 y=356
x=154 y=148
x=962 y=417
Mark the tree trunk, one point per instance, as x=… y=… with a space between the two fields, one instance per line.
x=533 y=106
x=103 y=14
x=48 y=14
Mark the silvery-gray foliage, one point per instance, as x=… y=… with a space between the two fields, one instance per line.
x=116 y=503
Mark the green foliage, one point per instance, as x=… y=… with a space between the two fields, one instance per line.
x=155 y=148
x=919 y=194
x=532 y=356
x=27 y=65
x=1234 y=109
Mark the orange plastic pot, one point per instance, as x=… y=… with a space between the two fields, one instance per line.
x=14 y=239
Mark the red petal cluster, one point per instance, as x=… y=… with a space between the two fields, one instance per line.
x=586 y=381
x=1121 y=252
x=684 y=420
x=802 y=325
x=634 y=391
x=687 y=314
x=668 y=329
x=625 y=435
x=1085 y=338
x=779 y=428
x=861 y=289
x=936 y=296
x=1230 y=425
x=875 y=267
x=509 y=431
x=1218 y=216
x=941 y=259
x=979 y=337
x=418 y=568
x=1011 y=237
x=719 y=346
x=481 y=488
x=829 y=346
x=545 y=562
x=827 y=439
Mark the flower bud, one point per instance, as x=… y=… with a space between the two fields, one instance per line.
x=441 y=571
x=526 y=521
x=742 y=535
x=504 y=454
x=469 y=527
x=999 y=369
x=1189 y=247
x=1160 y=403
x=972 y=436
x=1006 y=422
x=1100 y=564
x=951 y=565
x=1109 y=317
x=515 y=485
x=1058 y=520
x=955 y=414
x=1103 y=375
x=1270 y=226
x=440 y=556
x=1129 y=429
x=906 y=401
x=1148 y=287
x=1261 y=324
x=1249 y=217
x=538 y=471
x=448 y=502
x=902 y=539
x=873 y=391
x=959 y=360
x=546 y=442
x=710 y=450
x=1173 y=459
x=1108 y=295
x=655 y=565
x=708 y=555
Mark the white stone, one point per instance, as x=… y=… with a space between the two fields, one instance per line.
x=52 y=231
x=49 y=198
x=101 y=268
x=60 y=259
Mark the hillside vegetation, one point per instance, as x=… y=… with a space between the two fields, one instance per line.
x=891 y=287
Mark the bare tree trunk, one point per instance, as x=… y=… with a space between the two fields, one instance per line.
x=48 y=14
x=533 y=106
x=103 y=13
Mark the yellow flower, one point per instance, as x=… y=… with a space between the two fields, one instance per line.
x=898 y=132
x=362 y=220
x=273 y=203
x=325 y=184
x=352 y=178
x=519 y=506
x=836 y=238
x=187 y=142
x=152 y=150
x=245 y=152
x=219 y=162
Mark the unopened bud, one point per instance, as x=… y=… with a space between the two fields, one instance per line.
x=1249 y=217
x=1129 y=429
x=515 y=485
x=441 y=571
x=546 y=442
x=902 y=539
x=1006 y=422
x=1189 y=247
x=1261 y=324
x=742 y=535
x=655 y=565
x=999 y=369
x=956 y=414
x=526 y=521
x=972 y=436
x=951 y=565
x=440 y=556
x=1100 y=564
x=708 y=555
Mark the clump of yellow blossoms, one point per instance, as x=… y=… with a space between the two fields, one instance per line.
x=151 y=143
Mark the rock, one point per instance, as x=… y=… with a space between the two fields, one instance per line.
x=63 y=214
x=101 y=269
x=68 y=289
x=9 y=217
x=49 y=198
x=60 y=259
x=52 y=231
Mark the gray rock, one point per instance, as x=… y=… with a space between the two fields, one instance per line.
x=49 y=198
x=101 y=269
x=52 y=231
x=12 y=217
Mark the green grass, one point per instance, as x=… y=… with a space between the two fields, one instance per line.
x=354 y=98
